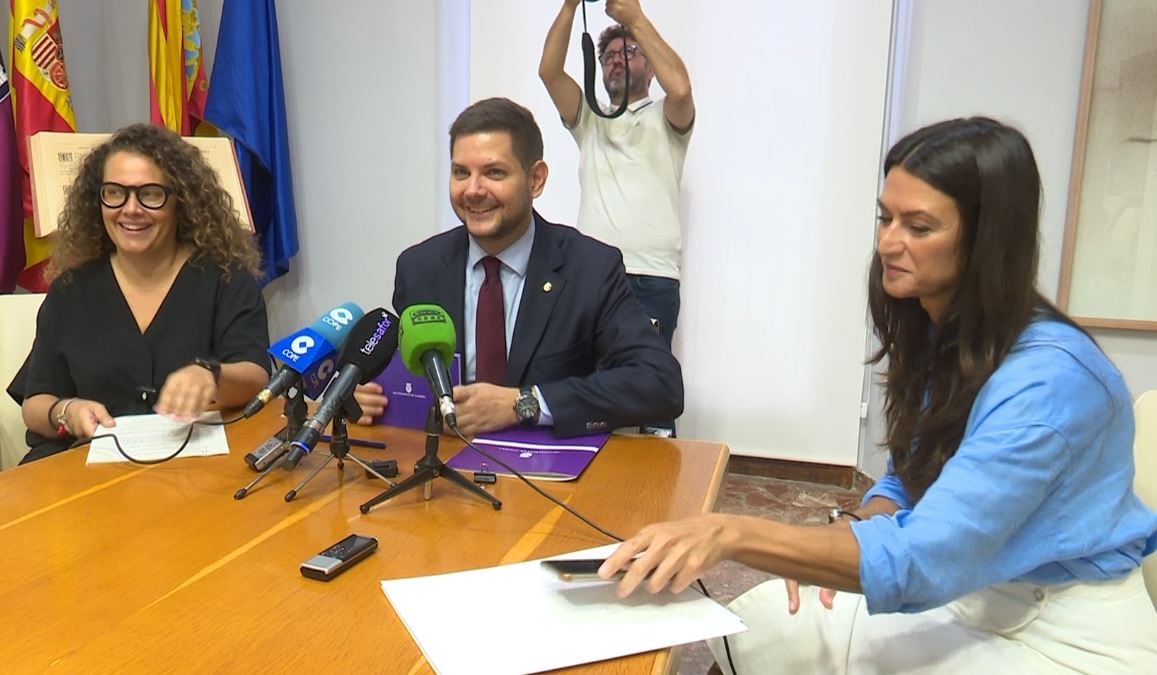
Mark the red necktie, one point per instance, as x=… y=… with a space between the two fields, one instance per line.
x=490 y=327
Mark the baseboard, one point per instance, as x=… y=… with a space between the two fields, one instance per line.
x=847 y=477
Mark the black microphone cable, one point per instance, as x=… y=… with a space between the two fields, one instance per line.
x=514 y=472
x=161 y=460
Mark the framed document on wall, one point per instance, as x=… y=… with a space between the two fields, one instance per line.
x=1109 y=260
x=54 y=159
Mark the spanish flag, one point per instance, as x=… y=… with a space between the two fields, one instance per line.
x=177 y=84
x=41 y=102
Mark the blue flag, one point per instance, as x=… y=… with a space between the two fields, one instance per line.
x=246 y=102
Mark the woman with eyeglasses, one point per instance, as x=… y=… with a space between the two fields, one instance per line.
x=154 y=304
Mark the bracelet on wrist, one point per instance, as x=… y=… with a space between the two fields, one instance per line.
x=837 y=514
x=61 y=419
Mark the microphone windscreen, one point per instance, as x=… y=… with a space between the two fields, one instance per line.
x=426 y=327
x=334 y=326
x=371 y=344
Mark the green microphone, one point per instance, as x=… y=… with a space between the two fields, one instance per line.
x=426 y=345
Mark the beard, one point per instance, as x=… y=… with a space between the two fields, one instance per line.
x=615 y=82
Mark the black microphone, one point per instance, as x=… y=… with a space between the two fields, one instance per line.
x=371 y=344
x=427 y=346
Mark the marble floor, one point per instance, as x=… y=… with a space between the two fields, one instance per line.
x=789 y=501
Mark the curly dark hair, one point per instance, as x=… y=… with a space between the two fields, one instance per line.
x=613 y=32
x=205 y=214
x=935 y=373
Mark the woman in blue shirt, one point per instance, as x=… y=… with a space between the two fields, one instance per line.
x=1005 y=534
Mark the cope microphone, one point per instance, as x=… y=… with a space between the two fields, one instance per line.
x=371 y=344
x=427 y=347
x=307 y=355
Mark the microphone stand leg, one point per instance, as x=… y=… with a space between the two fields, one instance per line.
x=370 y=469
x=316 y=470
x=428 y=468
x=339 y=450
x=240 y=494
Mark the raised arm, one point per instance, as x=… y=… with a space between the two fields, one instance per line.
x=563 y=90
x=669 y=69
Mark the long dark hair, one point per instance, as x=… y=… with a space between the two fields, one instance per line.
x=935 y=372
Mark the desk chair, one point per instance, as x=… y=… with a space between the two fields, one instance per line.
x=17 y=329
x=1145 y=480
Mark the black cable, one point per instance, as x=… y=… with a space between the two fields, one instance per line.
x=222 y=423
x=589 y=72
x=147 y=462
x=134 y=460
x=588 y=521
x=534 y=487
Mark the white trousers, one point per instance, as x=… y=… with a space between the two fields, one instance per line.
x=1101 y=627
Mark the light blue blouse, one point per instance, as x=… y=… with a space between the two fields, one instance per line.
x=1040 y=489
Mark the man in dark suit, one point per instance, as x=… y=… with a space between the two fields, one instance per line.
x=550 y=331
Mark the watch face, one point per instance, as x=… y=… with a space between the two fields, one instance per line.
x=526 y=407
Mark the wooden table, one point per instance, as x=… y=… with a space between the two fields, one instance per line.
x=127 y=568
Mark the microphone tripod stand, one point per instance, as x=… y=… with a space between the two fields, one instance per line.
x=339 y=446
x=430 y=467
x=294 y=411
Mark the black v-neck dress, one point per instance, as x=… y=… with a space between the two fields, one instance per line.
x=88 y=344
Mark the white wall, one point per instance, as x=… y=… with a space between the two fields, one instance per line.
x=1012 y=60
x=778 y=202
x=364 y=85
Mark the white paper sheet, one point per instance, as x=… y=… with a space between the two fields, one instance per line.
x=151 y=437
x=520 y=618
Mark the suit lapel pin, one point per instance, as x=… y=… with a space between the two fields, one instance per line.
x=546 y=288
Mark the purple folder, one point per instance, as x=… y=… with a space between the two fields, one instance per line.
x=535 y=453
x=409 y=395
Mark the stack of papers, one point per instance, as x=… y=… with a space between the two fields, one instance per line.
x=151 y=437
x=521 y=618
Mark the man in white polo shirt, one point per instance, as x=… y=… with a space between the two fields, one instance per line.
x=629 y=167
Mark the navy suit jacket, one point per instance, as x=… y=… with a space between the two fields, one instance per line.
x=587 y=342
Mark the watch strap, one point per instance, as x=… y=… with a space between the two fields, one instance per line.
x=210 y=364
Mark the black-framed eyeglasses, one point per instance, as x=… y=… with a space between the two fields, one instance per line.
x=152 y=196
x=611 y=54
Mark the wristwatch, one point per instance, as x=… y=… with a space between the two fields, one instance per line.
x=210 y=364
x=526 y=407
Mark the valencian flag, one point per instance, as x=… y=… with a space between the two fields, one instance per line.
x=11 y=204
x=246 y=102
x=177 y=85
x=41 y=102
